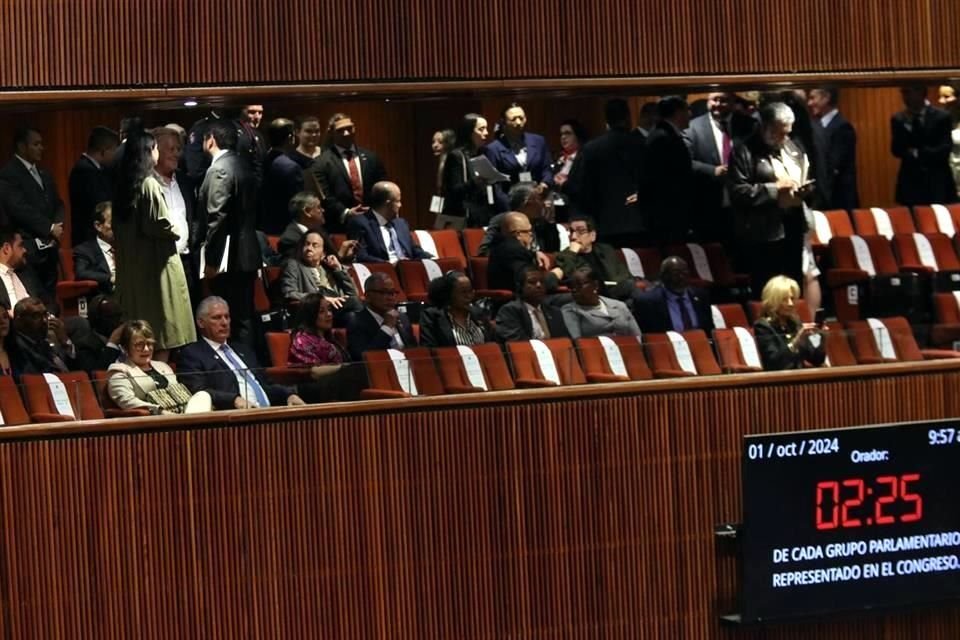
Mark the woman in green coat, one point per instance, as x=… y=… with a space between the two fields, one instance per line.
x=151 y=284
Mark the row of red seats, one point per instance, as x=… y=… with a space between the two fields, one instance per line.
x=877 y=221
x=443 y=370
x=33 y=401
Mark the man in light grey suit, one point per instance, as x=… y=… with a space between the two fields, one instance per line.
x=231 y=251
x=591 y=314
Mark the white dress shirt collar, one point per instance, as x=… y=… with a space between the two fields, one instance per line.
x=93 y=160
x=828 y=117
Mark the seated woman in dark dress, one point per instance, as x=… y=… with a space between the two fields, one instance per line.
x=783 y=341
x=451 y=318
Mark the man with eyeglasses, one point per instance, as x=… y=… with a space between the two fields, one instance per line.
x=379 y=325
x=585 y=251
x=524 y=198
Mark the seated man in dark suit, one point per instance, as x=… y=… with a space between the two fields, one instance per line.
x=585 y=251
x=510 y=252
x=97 y=336
x=379 y=325
x=307 y=213
x=527 y=318
x=90 y=182
x=230 y=373
x=673 y=305
x=345 y=173
x=94 y=259
x=382 y=234
x=524 y=198
x=42 y=345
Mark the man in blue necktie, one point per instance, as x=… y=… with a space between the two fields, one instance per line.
x=229 y=372
x=673 y=305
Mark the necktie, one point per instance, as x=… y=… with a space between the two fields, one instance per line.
x=356 y=185
x=251 y=379
x=727 y=147
x=36 y=176
x=685 y=317
x=397 y=249
x=542 y=321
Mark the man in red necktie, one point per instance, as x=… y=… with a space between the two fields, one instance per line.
x=345 y=173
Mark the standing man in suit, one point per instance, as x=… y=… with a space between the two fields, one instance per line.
x=345 y=173
x=519 y=154
x=384 y=236
x=91 y=182
x=921 y=139
x=840 y=141
x=95 y=259
x=666 y=182
x=710 y=137
x=250 y=143
x=604 y=177
x=31 y=200
x=180 y=196
x=673 y=305
x=647 y=120
x=282 y=178
x=379 y=325
x=228 y=370
x=527 y=317
x=18 y=284
x=228 y=195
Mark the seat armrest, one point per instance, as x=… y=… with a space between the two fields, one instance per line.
x=939 y=354
x=50 y=417
x=383 y=394
x=532 y=383
x=841 y=277
x=125 y=413
x=457 y=388
x=606 y=377
x=740 y=368
x=672 y=373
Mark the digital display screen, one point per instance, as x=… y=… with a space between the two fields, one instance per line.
x=850 y=519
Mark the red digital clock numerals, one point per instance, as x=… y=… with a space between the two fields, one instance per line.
x=839 y=502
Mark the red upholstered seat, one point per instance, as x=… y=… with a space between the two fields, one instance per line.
x=927 y=221
x=69 y=289
x=720 y=267
x=732 y=315
x=867 y=347
x=377 y=267
x=910 y=259
x=946 y=327
x=527 y=371
x=732 y=358
x=865 y=222
x=838 y=226
x=663 y=360
x=846 y=271
x=839 y=353
x=383 y=376
x=11 y=405
x=649 y=259
x=278 y=346
x=447 y=242
x=597 y=367
x=40 y=403
x=414 y=278
x=478 y=269
x=493 y=365
x=472 y=239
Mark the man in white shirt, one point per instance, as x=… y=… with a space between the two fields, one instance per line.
x=228 y=371
x=95 y=259
x=383 y=235
x=840 y=138
x=178 y=192
x=17 y=285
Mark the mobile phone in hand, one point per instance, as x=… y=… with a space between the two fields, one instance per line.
x=820 y=317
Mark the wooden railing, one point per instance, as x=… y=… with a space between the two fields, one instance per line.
x=522 y=514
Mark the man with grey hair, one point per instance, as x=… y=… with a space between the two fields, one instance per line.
x=524 y=198
x=769 y=182
x=228 y=371
x=379 y=325
x=307 y=213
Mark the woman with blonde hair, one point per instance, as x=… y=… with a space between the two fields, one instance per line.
x=783 y=340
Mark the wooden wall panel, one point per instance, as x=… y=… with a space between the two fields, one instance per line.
x=537 y=516
x=113 y=43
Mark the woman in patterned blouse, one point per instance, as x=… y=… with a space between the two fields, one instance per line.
x=311 y=342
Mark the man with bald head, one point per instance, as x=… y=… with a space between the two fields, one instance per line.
x=511 y=250
x=673 y=305
x=382 y=235
x=379 y=325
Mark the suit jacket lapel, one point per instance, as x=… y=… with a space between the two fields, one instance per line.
x=374 y=231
